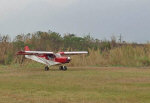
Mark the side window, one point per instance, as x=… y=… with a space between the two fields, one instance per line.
x=51 y=56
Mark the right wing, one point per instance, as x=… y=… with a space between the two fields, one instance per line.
x=73 y=53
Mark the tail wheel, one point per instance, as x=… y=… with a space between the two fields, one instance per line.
x=46 y=68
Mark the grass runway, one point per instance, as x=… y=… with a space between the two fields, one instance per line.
x=77 y=85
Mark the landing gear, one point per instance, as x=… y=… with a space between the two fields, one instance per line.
x=64 y=68
x=46 y=68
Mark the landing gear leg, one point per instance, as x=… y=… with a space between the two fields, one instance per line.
x=64 y=68
x=46 y=68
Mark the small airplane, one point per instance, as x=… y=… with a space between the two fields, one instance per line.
x=49 y=58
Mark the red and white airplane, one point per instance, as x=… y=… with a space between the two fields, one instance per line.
x=49 y=58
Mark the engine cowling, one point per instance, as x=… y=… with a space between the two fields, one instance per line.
x=63 y=59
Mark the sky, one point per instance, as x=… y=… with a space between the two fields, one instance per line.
x=101 y=19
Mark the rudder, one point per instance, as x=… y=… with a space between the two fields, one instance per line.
x=26 y=48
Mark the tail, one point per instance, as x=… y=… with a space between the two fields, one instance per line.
x=26 y=48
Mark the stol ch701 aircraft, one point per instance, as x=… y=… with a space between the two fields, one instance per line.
x=49 y=58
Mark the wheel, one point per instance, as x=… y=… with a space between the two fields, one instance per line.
x=61 y=68
x=64 y=68
x=46 y=68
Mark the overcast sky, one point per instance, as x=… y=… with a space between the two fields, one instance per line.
x=99 y=18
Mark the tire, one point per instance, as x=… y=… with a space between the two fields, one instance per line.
x=64 y=68
x=46 y=68
x=61 y=68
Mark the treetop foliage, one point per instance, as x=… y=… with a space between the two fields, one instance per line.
x=54 y=41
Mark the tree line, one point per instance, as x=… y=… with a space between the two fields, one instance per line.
x=49 y=41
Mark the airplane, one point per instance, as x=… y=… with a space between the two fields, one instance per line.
x=50 y=58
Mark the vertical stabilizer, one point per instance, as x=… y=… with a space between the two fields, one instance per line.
x=26 y=48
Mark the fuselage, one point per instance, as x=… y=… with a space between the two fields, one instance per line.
x=49 y=59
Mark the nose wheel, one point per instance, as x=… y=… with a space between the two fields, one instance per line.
x=46 y=68
x=64 y=68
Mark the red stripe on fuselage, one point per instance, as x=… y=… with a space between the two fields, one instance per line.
x=43 y=56
x=62 y=60
x=61 y=53
x=55 y=59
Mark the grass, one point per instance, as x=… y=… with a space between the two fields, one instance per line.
x=77 y=85
x=126 y=56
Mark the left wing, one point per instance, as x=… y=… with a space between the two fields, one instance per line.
x=33 y=52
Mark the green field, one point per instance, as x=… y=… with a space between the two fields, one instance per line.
x=77 y=85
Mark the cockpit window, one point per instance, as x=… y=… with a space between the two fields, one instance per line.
x=51 y=56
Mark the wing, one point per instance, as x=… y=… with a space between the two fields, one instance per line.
x=73 y=53
x=33 y=52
